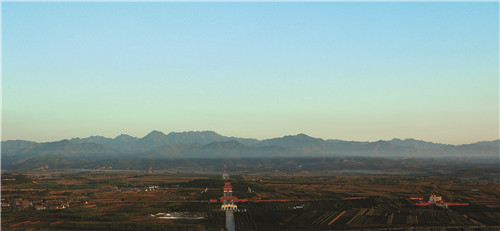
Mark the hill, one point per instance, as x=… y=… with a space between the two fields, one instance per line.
x=156 y=145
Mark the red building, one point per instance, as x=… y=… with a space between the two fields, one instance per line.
x=228 y=199
x=228 y=189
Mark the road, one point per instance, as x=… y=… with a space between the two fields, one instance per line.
x=230 y=221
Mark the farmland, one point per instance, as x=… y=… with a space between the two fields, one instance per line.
x=125 y=200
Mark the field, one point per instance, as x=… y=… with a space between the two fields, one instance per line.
x=126 y=200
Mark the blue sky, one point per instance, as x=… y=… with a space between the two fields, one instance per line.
x=356 y=71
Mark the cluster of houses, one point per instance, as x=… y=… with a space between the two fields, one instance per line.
x=105 y=167
x=180 y=215
x=46 y=167
x=151 y=188
x=148 y=189
x=21 y=204
x=118 y=189
x=60 y=205
x=435 y=200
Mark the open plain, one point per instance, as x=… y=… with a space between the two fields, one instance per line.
x=270 y=200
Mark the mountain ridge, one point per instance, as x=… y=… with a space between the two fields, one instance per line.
x=209 y=144
x=123 y=135
x=157 y=138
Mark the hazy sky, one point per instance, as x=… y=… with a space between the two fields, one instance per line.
x=355 y=71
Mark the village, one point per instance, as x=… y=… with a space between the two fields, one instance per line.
x=264 y=201
x=24 y=204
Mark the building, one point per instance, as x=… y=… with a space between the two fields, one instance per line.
x=227 y=207
x=435 y=199
x=228 y=189
x=227 y=199
x=64 y=205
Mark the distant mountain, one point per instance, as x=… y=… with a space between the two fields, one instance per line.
x=494 y=143
x=477 y=149
x=202 y=137
x=54 y=154
x=296 y=141
x=218 y=149
x=14 y=145
x=79 y=152
x=64 y=147
x=124 y=138
x=387 y=148
x=415 y=143
x=156 y=139
x=122 y=142
x=344 y=141
x=153 y=139
x=92 y=139
x=227 y=145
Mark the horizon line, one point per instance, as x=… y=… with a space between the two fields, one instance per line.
x=199 y=131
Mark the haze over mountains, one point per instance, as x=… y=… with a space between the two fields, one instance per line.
x=209 y=144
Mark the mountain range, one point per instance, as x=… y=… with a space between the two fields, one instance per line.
x=209 y=144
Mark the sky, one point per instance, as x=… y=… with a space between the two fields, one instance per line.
x=361 y=71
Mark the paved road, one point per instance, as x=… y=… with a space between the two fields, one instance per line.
x=229 y=221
